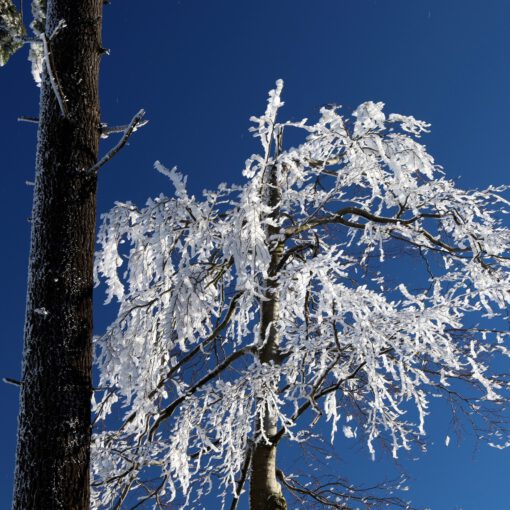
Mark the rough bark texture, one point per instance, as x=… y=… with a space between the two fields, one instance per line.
x=265 y=490
x=52 y=467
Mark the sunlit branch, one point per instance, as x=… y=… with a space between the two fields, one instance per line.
x=168 y=411
x=188 y=357
x=242 y=477
x=322 y=393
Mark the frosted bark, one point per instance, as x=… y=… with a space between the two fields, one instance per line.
x=265 y=490
x=53 y=450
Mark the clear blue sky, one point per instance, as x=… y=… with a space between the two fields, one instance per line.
x=201 y=67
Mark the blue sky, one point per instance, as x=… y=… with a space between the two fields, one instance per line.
x=201 y=67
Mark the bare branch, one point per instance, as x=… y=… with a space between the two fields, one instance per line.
x=150 y=494
x=132 y=127
x=331 y=494
x=9 y=380
x=106 y=130
x=29 y=119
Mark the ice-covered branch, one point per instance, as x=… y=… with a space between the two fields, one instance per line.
x=190 y=355
x=242 y=477
x=167 y=412
x=55 y=84
x=338 y=217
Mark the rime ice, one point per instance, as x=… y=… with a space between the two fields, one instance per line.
x=363 y=343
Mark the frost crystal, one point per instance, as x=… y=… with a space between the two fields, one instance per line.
x=36 y=53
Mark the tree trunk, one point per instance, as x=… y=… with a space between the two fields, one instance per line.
x=53 y=450
x=265 y=490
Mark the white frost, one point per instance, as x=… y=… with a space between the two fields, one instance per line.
x=358 y=337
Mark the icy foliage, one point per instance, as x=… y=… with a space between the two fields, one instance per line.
x=36 y=53
x=392 y=284
x=12 y=30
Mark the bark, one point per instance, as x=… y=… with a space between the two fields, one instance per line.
x=265 y=490
x=53 y=450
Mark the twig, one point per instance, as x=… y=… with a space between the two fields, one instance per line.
x=133 y=125
x=61 y=24
x=106 y=131
x=53 y=80
x=27 y=118
x=307 y=492
x=151 y=494
x=167 y=411
x=242 y=479
x=28 y=40
x=9 y=380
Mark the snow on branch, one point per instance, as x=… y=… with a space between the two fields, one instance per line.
x=55 y=84
x=347 y=281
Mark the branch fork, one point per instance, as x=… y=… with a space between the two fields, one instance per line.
x=136 y=122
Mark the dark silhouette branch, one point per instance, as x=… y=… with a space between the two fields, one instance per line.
x=13 y=382
x=131 y=128
x=168 y=411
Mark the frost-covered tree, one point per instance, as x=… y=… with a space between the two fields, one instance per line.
x=347 y=281
x=53 y=448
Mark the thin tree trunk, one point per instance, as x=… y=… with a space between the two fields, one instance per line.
x=53 y=450
x=265 y=490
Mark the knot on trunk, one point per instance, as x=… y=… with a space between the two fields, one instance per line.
x=276 y=502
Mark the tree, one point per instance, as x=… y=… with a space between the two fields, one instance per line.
x=53 y=449
x=247 y=316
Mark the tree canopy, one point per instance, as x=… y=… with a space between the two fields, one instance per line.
x=347 y=280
